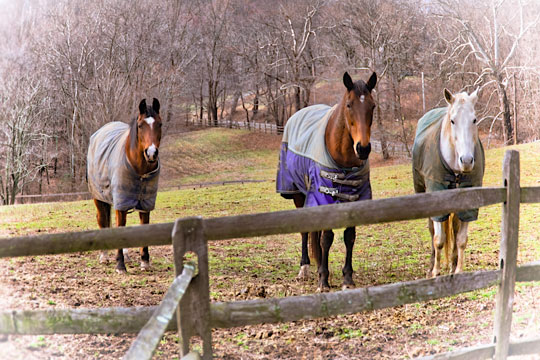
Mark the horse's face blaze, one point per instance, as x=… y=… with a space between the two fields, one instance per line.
x=463 y=128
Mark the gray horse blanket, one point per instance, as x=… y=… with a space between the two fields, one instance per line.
x=432 y=173
x=306 y=167
x=111 y=178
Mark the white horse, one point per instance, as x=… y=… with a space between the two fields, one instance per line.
x=448 y=154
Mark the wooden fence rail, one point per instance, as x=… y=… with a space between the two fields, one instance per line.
x=196 y=315
x=281 y=222
x=150 y=335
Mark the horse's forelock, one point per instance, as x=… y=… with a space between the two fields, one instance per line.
x=360 y=88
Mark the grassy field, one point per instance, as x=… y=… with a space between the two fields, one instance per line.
x=266 y=266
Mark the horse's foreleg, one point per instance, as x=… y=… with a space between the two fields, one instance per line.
x=326 y=242
x=303 y=274
x=121 y=217
x=432 y=259
x=349 y=236
x=104 y=221
x=439 y=239
x=456 y=226
x=461 y=242
x=145 y=256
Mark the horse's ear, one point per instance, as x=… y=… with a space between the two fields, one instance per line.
x=474 y=96
x=155 y=105
x=142 y=107
x=347 y=81
x=448 y=96
x=372 y=81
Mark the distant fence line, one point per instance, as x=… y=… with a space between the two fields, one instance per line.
x=85 y=195
x=394 y=148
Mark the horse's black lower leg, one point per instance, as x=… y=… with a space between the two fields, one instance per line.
x=326 y=243
x=349 y=236
x=144 y=218
x=305 y=255
x=121 y=218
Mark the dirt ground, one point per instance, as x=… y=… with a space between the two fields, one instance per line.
x=79 y=280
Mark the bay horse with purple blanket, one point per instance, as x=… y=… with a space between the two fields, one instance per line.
x=324 y=160
x=123 y=171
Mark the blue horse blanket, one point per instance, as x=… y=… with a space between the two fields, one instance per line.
x=110 y=176
x=432 y=173
x=306 y=167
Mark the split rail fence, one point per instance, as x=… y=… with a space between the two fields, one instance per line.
x=197 y=316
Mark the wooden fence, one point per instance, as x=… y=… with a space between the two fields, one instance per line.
x=196 y=315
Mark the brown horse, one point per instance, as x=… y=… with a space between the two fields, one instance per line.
x=123 y=171
x=323 y=160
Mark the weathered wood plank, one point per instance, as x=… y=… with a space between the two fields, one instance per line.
x=193 y=312
x=530 y=195
x=523 y=347
x=250 y=312
x=281 y=222
x=471 y=353
x=149 y=337
x=352 y=214
x=507 y=255
x=528 y=272
x=113 y=238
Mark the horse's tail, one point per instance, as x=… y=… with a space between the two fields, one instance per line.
x=449 y=238
x=314 y=246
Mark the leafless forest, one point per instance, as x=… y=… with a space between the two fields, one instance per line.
x=69 y=66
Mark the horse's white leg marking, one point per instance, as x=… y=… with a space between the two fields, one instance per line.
x=145 y=265
x=304 y=273
x=439 y=239
x=103 y=257
x=461 y=242
x=126 y=255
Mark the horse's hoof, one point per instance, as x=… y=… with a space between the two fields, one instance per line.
x=145 y=265
x=103 y=258
x=121 y=271
x=126 y=255
x=304 y=273
x=347 y=286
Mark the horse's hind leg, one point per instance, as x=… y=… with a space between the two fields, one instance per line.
x=121 y=217
x=104 y=221
x=327 y=240
x=145 y=256
x=349 y=236
x=461 y=242
x=303 y=274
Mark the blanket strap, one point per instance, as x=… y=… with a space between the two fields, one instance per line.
x=335 y=193
x=339 y=178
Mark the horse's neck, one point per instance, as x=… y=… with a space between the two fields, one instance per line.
x=447 y=146
x=339 y=142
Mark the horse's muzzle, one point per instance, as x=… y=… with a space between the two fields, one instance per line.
x=151 y=154
x=363 y=151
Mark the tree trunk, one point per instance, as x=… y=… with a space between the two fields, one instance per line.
x=255 y=102
x=505 y=107
x=384 y=145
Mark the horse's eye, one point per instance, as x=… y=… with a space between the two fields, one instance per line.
x=474 y=121
x=452 y=121
x=349 y=105
x=140 y=126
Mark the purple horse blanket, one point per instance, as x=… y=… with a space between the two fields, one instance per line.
x=306 y=167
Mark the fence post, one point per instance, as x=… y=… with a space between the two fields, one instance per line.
x=193 y=312
x=507 y=255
